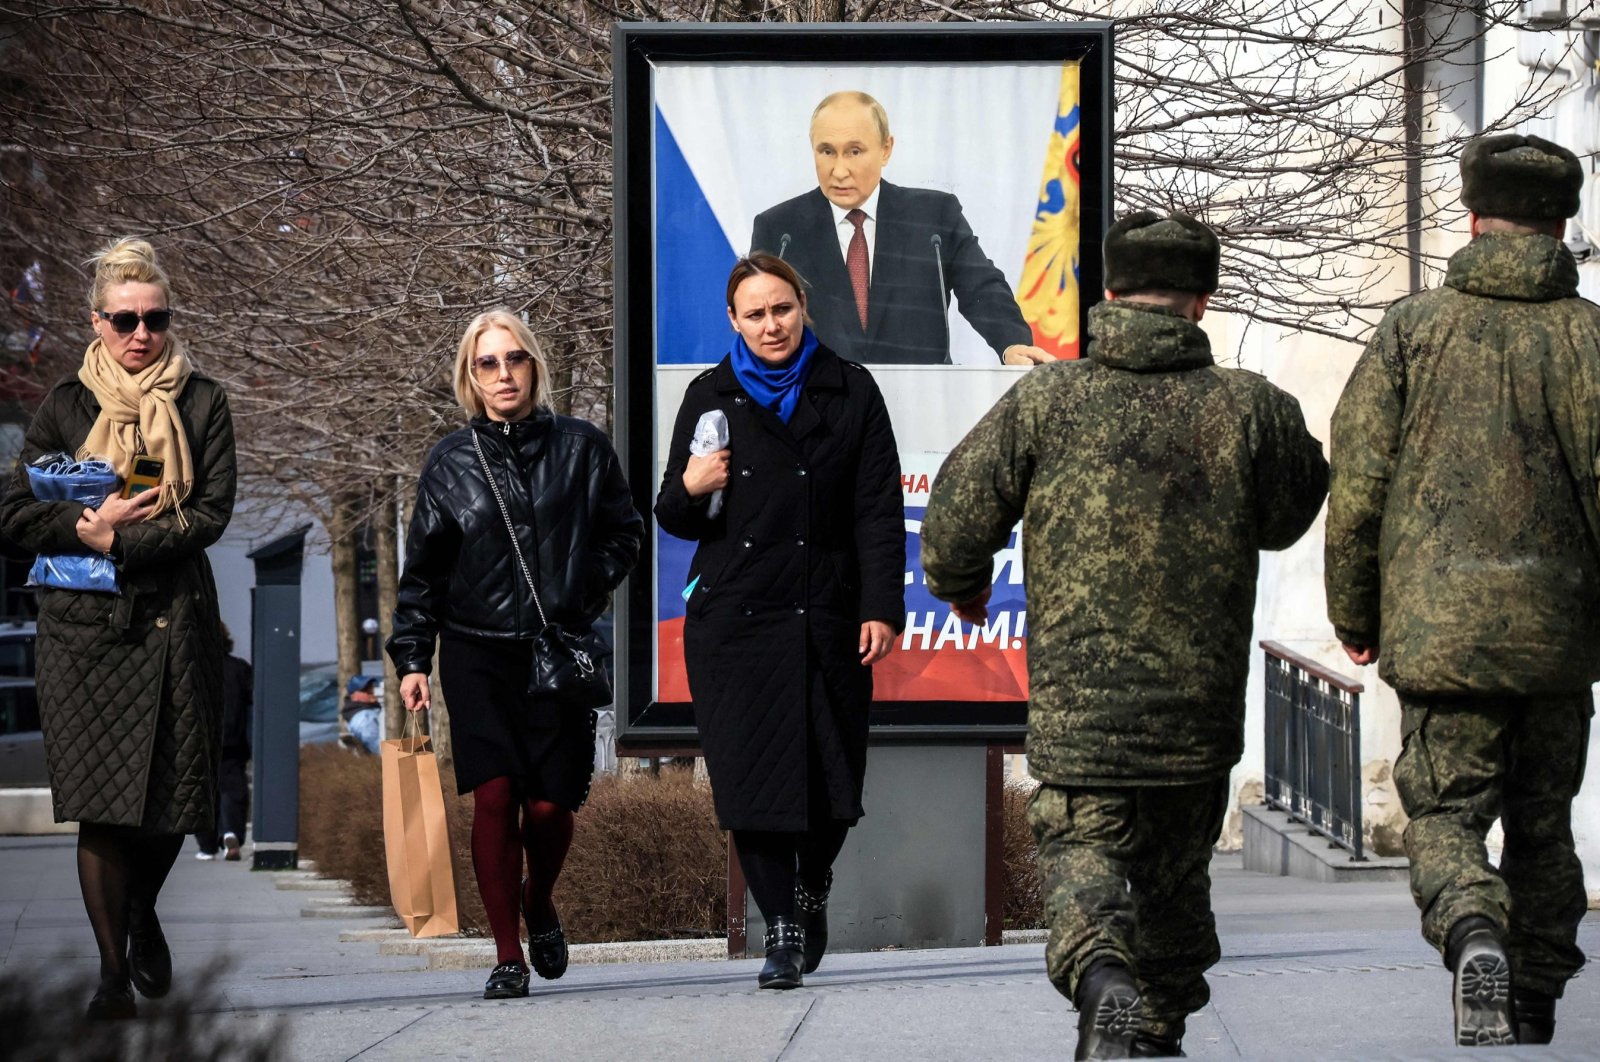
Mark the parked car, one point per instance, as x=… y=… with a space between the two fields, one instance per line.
x=320 y=700
x=21 y=742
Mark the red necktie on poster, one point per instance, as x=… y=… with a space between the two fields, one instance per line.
x=855 y=263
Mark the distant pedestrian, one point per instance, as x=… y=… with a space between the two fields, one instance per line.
x=1147 y=479
x=362 y=712
x=233 y=784
x=130 y=684
x=1464 y=542
x=795 y=592
x=527 y=762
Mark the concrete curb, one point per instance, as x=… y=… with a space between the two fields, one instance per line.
x=29 y=813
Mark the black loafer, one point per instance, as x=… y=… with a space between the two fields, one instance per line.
x=1109 y=1011
x=509 y=980
x=547 y=950
x=811 y=911
x=1482 y=990
x=785 y=945
x=149 y=958
x=113 y=1003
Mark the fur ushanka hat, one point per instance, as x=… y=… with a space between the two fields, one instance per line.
x=1514 y=176
x=1145 y=251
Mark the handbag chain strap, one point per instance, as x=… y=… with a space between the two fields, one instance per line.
x=505 y=515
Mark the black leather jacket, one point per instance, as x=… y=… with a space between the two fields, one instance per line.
x=575 y=522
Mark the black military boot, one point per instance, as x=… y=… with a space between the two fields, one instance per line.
x=1536 y=1016
x=786 y=944
x=1108 y=1011
x=811 y=911
x=1482 y=993
x=1164 y=1041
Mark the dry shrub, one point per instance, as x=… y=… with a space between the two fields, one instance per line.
x=1024 y=898
x=341 y=819
x=648 y=861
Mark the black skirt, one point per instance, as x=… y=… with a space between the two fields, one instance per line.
x=498 y=731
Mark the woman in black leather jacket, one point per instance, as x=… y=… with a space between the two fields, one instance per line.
x=579 y=533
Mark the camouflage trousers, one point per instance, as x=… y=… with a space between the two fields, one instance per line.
x=1467 y=761
x=1127 y=876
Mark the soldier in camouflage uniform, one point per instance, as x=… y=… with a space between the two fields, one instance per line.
x=1464 y=540
x=1147 y=479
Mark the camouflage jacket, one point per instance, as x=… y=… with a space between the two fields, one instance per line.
x=1463 y=525
x=1146 y=479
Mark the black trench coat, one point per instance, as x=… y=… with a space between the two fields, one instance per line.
x=130 y=684
x=810 y=544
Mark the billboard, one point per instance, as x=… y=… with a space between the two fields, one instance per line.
x=996 y=176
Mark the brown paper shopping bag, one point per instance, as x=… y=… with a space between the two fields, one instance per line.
x=421 y=882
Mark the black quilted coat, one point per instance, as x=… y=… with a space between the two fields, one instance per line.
x=130 y=684
x=810 y=544
x=575 y=522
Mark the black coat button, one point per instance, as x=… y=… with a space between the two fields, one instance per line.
x=799 y=470
x=748 y=543
x=799 y=540
x=799 y=610
x=738 y=400
x=745 y=471
x=746 y=610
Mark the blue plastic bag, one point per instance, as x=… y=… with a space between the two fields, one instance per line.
x=57 y=477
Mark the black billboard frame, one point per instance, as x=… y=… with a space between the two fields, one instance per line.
x=643 y=722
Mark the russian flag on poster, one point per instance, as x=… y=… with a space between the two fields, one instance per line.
x=937 y=658
x=1048 y=291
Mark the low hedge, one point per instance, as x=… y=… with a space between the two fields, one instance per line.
x=648 y=861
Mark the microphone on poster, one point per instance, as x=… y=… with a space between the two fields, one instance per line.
x=783 y=245
x=944 y=297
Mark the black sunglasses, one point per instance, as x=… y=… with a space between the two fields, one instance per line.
x=126 y=321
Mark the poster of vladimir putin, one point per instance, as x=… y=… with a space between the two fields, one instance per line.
x=881 y=260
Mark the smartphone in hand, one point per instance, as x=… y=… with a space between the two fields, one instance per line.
x=146 y=475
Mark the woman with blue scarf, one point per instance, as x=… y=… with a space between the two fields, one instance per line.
x=795 y=591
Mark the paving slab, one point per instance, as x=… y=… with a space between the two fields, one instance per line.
x=1310 y=970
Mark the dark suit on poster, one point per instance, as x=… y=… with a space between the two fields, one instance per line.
x=906 y=301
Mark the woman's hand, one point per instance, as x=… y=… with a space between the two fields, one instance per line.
x=702 y=475
x=414 y=693
x=877 y=638
x=97 y=528
x=120 y=512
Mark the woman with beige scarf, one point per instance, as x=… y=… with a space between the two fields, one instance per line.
x=129 y=683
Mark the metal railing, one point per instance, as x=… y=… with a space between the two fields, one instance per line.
x=1314 y=746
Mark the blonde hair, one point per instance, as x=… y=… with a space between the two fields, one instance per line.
x=466 y=391
x=880 y=117
x=126 y=261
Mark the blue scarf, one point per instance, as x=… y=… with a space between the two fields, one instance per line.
x=776 y=387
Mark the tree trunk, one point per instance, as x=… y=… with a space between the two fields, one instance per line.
x=384 y=531
x=343 y=535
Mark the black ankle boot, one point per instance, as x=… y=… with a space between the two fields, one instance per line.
x=1535 y=1013
x=149 y=958
x=811 y=911
x=1109 y=1011
x=786 y=943
x=113 y=1002
x=1482 y=992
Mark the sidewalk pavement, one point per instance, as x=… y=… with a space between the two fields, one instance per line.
x=1310 y=971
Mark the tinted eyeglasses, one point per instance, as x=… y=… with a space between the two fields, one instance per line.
x=126 y=322
x=487 y=366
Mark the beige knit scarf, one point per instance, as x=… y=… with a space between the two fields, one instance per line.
x=139 y=414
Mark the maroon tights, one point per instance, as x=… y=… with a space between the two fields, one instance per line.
x=498 y=842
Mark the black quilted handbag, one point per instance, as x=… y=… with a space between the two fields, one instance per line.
x=566 y=664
